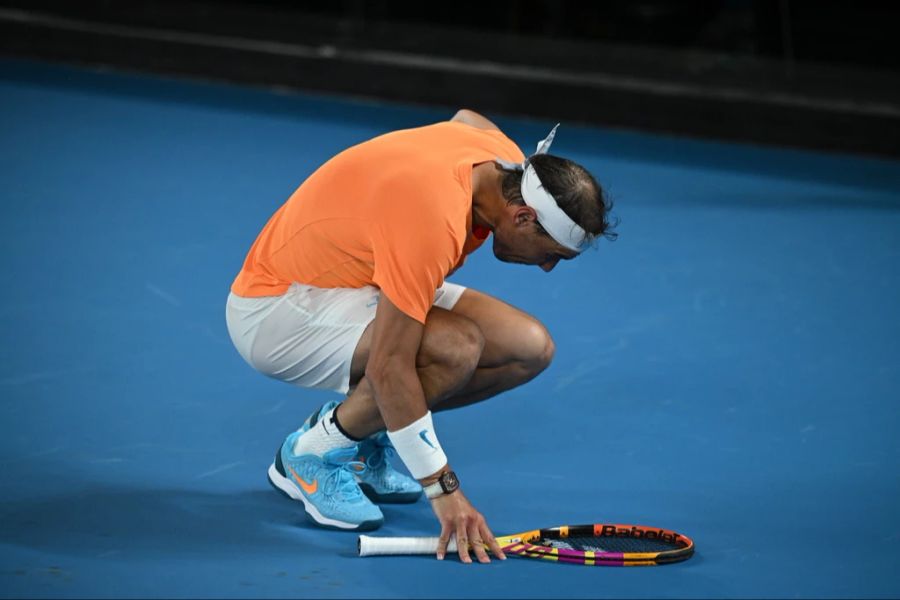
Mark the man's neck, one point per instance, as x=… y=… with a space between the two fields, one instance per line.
x=485 y=195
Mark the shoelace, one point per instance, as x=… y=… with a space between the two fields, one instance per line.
x=384 y=450
x=341 y=480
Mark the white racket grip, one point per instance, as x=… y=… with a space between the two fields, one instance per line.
x=383 y=546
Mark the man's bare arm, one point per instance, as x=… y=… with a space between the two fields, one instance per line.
x=470 y=117
x=391 y=369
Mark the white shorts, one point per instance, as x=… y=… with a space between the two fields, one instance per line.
x=307 y=336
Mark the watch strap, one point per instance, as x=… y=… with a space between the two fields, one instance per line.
x=434 y=490
x=447 y=483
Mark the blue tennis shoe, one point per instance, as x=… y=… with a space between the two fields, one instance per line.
x=326 y=486
x=379 y=480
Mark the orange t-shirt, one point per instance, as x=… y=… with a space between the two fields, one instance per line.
x=394 y=212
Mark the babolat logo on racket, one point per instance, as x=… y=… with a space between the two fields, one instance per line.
x=634 y=532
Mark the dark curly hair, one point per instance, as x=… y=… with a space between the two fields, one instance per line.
x=576 y=192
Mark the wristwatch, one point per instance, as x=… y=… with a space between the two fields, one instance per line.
x=447 y=483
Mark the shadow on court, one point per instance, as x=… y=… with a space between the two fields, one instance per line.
x=105 y=521
x=153 y=522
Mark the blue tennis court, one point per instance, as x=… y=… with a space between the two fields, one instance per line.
x=729 y=368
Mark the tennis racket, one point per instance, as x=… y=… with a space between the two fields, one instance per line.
x=601 y=544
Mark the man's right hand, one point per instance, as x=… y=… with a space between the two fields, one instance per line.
x=458 y=517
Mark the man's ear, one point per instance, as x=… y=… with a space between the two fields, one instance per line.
x=523 y=215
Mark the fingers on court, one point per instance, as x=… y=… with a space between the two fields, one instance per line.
x=462 y=543
x=478 y=547
x=491 y=541
x=476 y=534
x=443 y=541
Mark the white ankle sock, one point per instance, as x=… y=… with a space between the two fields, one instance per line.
x=322 y=437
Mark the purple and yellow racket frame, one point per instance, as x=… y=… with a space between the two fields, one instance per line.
x=521 y=545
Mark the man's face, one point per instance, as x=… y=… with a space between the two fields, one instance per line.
x=517 y=240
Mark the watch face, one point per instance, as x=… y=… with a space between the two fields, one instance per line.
x=449 y=482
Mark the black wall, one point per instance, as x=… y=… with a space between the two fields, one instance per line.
x=818 y=75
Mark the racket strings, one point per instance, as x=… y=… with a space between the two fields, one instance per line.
x=594 y=543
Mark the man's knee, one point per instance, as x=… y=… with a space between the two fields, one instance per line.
x=454 y=343
x=537 y=349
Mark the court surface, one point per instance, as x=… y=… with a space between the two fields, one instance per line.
x=728 y=368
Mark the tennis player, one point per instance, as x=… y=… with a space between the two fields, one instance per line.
x=345 y=289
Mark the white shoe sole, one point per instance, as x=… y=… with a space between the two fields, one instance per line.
x=290 y=489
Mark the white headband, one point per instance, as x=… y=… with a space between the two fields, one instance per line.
x=551 y=217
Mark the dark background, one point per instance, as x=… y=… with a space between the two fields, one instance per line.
x=820 y=75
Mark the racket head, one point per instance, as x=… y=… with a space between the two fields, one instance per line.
x=601 y=544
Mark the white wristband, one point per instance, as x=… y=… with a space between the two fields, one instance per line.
x=418 y=447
